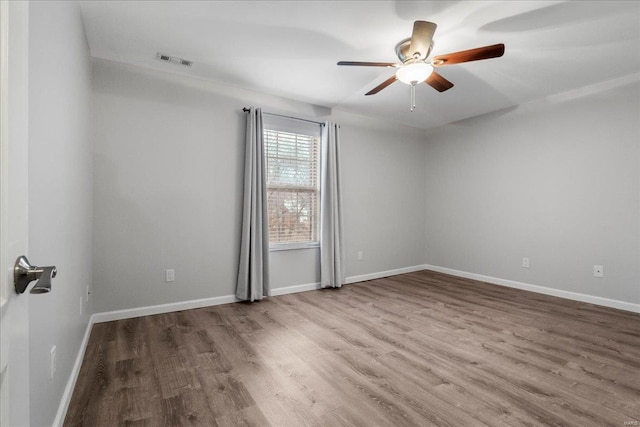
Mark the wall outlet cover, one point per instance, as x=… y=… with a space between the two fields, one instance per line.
x=598 y=271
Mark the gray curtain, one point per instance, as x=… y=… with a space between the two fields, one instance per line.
x=332 y=256
x=253 y=270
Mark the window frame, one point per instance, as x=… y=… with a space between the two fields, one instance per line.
x=301 y=127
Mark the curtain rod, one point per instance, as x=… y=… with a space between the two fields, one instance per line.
x=246 y=110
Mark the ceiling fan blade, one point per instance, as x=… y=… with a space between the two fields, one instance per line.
x=368 y=64
x=486 y=52
x=438 y=82
x=382 y=85
x=421 y=39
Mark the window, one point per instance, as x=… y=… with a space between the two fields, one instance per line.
x=292 y=155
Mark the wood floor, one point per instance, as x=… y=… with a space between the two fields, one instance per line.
x=417 y=349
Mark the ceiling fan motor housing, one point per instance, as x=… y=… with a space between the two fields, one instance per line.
x=402 y=50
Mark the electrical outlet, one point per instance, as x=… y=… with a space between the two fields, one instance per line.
x=525 y=262
x=52 y=362
x=598 y=271
x=87 y=295
x=359 y=256
x=170 y=275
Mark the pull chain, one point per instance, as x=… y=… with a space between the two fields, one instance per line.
x=413 y=95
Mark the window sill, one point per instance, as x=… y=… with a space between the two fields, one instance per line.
x=273 y=247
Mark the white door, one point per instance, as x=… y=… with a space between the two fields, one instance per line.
x=14 y=308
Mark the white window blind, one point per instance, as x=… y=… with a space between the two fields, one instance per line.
x=292 y=162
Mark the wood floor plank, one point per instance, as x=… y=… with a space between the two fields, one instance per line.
x=251 y=416
x=417 y=349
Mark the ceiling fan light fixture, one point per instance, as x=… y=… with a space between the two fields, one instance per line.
x=414 y=73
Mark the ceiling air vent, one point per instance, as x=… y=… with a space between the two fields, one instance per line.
x=173 y=59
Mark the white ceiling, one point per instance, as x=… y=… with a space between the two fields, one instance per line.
x=290 y=48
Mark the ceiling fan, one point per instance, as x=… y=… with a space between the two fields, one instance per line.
x=415 y=67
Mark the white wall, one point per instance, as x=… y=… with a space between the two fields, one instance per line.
x=60 y=187
x=168 y=189
x=556 y=181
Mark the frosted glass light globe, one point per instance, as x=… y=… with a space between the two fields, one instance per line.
x=414 y=73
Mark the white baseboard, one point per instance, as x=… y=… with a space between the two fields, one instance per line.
x=621 y=305
x=381 y=274
x=130 y=313
x=295 y=289
x=349 y=280
x=73 y=377
x=109 y=316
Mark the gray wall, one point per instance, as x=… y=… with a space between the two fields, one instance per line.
x=384 y=199
x=168 y=179
x=557 y=181
x=60 y=201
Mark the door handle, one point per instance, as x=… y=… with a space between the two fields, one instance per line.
x=25 y=273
